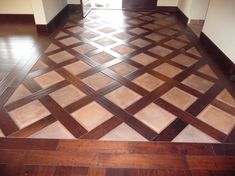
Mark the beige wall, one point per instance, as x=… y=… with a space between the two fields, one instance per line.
x=73 y=1
x=15 y=7
x=167 y=2
x=220 y=25
x=185 y=6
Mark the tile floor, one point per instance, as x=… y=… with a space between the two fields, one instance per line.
x=137 y=78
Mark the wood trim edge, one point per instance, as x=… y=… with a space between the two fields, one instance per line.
x=16 y=18
x=219 y=57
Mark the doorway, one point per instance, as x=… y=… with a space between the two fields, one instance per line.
x=107 y=4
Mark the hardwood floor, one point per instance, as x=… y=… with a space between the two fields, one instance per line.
x=118 y=76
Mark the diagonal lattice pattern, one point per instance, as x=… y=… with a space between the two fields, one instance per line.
x=120 y=75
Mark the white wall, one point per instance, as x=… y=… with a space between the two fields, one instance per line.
x=220 y=25
x=185 y=6
x=16 y=7
x=167 y=2
x=73 y=1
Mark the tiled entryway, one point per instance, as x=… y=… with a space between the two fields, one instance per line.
x=122 y=75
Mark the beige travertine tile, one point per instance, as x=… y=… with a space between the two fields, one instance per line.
x=183 y=37
x=152 y=26
x=75 y=29
x=1 y=133
x=184 y=60
x=123 y=69
x=155 y=117
x=123 y=97
x=168 y=70
x=179 y=98
x=102 y=57
x=123 y=133
x=226 y=98
x=193 y=135
x=207 y=71
x=48 y=79
x=143 y=59
x=135 y=21
x=123 y=36
x=155 y=37
x=194 y=51
x=38 y=66
x=168 y=31
x=148 y=82
x=91 y=115
x=175 y=44
x=98 y=81
x=69 y=41
x=140 y=43
x=107 y=30
x=52 y=47
x=89 y=34
x=138 y=31
x=19 y=93
x=123 y=49
x=29 y=113
x=217 y=118
x=61 y=34
x=67 y=95
x=105 y=41
x=54 y=131
x=161 y=51
x=198 y=83
x=77 y=67
x=61 y=57
x=85 y=48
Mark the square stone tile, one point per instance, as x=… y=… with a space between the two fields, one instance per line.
x=155 y=117
x=161 y=51
x=168 y=31
x=207 y=71
x=218 y=119
x=123 y=133
x=194 y=52
x=89 y=35
x=54 y=131
x=69 y=41
x=143 y=59
x=168 y=70
x=198 y=83
x=28 y=114
x=226 y=98
x=52 y=47
x=91 y=115
x=148 y=82
x=67 y=95
x=123 y=97
x=105 y=41
x=140 y=43
x=123 y=49
x=77 y=67
x=184 y=60
x=75 y=29
x=61 y=57
x=84 y=49
x=138 y=31
x=38 y=66
x=107 y=30
x=123 y=69
x=123 y=36
x=102 y=57
x=193 y=135
x=19 y=93
x=155 y=37
x=175 y=44
x=179 y=98
x=48 y=79
x=98 y=81
x=151 y=26
x=135 y=22
x=61 y=34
